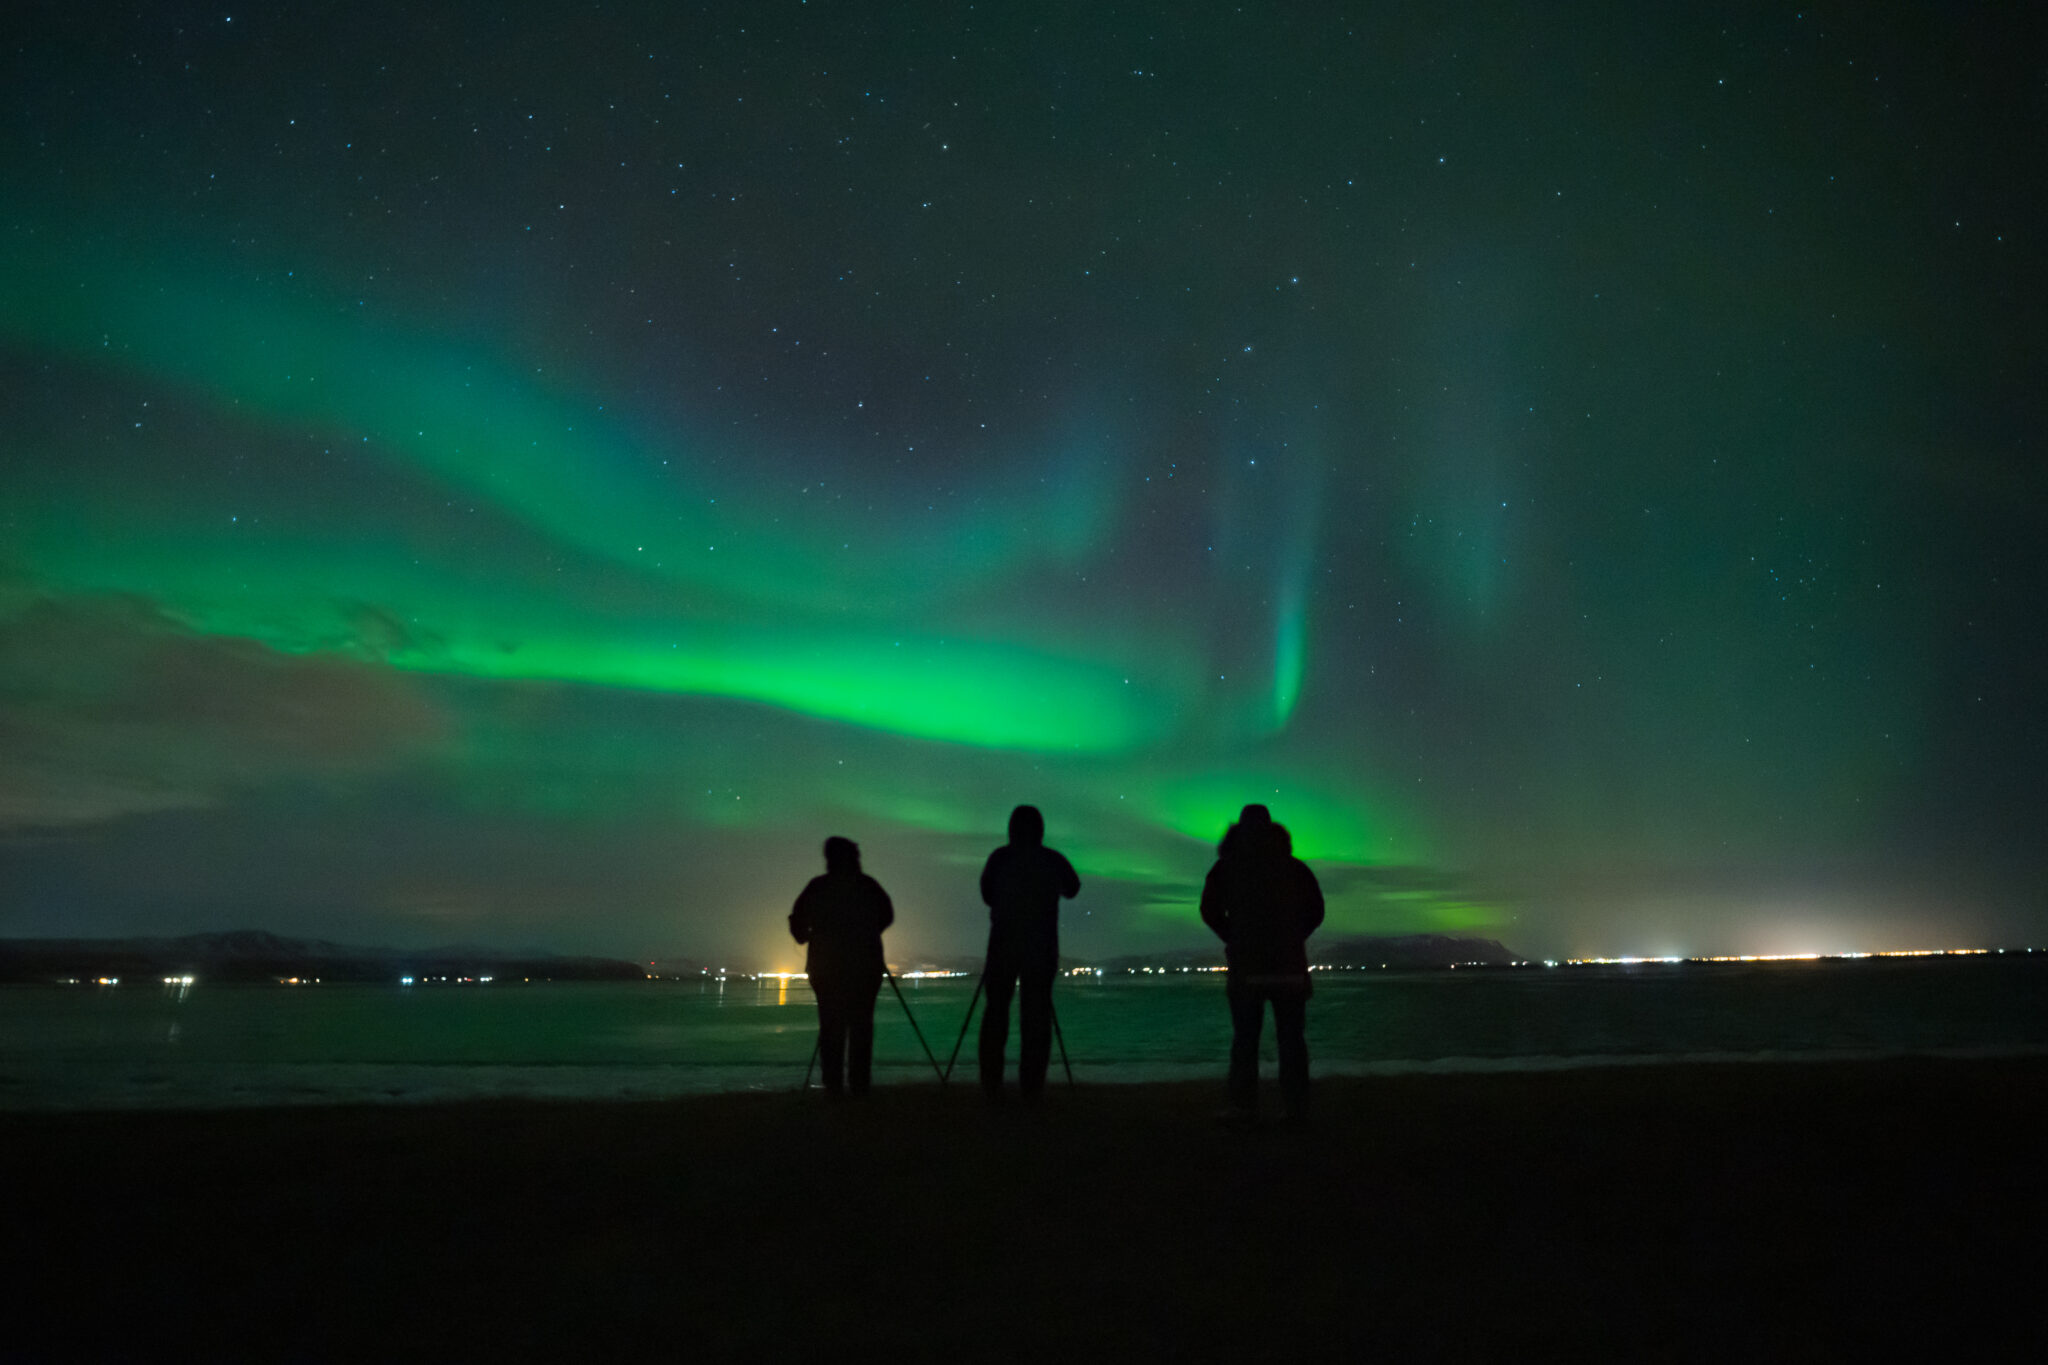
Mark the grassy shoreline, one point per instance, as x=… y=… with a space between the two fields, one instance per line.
x=1793 y=1210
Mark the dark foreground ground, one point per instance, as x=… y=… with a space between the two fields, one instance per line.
x=1778 y=1211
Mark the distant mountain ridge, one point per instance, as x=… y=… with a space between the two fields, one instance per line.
x=250 y=955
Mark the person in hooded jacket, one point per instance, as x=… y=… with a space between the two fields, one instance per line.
x=1022 y=884
x=1264 y=902
x=841 y=916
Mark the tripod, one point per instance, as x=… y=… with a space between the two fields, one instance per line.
x=974 y=1000
x=818 y=1046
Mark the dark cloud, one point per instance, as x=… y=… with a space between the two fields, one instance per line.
x=108 y=708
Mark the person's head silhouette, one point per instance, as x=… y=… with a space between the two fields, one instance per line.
x=1027 y=826
x=841 y=855
x=1254 y=835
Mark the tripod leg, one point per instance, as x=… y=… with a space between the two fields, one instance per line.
x=972 y=1001
x=913 y=1025
x=816 y=1048
x=1057 y=1033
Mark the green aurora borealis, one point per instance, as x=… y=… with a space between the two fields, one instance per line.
x=528 y=478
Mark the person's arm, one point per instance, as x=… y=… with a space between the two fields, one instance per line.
x=988 y=878
x=1070 y=880
x=1311 y=899
x=800 y=917
x=885 y=909
x=1214 y=913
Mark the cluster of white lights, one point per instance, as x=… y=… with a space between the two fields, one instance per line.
x=939 y=974
x=920 y=975
x=1776 y=957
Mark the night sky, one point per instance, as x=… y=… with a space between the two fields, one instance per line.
x=525 y=476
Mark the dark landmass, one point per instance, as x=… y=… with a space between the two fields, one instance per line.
x=1410 y=951
x=1811 y=1211
x=251 y=955
x=968 y=964
x=1400 y=951
x=1192 y=958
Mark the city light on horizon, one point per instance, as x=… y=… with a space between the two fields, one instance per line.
x=782 y=978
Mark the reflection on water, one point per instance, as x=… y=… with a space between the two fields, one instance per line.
x=188 y=1043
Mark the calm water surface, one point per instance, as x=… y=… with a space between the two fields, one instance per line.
x=152 y=1046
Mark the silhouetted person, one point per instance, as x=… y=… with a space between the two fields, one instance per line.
x=1263 y=902
x=841 y=915
x=1022 y=884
